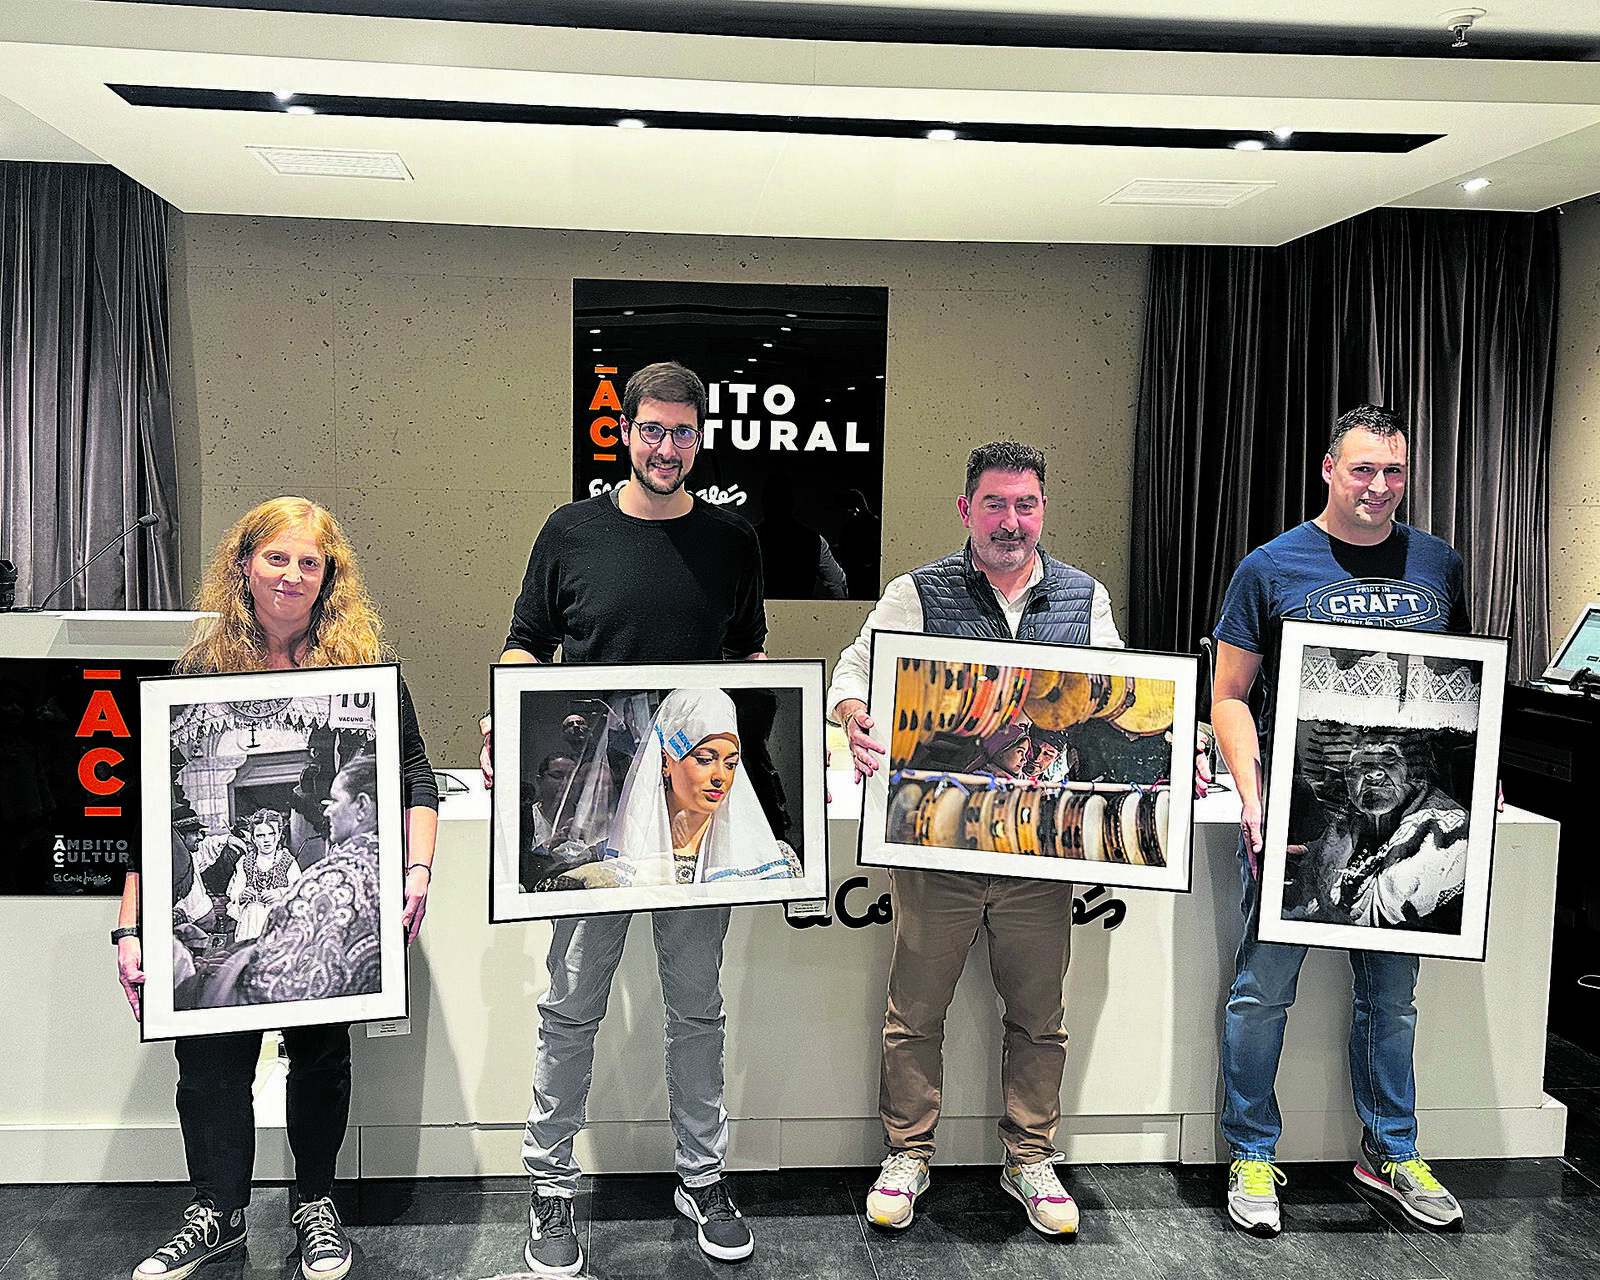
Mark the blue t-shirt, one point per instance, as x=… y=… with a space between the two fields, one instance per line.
x=1411 y=579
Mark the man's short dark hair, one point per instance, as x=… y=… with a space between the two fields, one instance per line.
x=1365 y=417
x=544 y=765
x=1003 y=455
x=360 y=777
x=670 y=383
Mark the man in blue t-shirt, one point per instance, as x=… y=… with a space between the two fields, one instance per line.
x=1353 y=563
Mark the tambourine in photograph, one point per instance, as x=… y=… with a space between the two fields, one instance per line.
x=1025 y=759
x=640 y=788
x=279 y=793
x=1381 y=797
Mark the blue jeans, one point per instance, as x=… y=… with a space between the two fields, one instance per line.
x=584 y=954
x=1383 y=1028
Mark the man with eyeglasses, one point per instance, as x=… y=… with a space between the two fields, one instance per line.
x=644 y=573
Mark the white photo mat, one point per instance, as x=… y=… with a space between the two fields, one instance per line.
x=339 y=688
x=1307 y=642
x=558 y=685
x=1174 y=776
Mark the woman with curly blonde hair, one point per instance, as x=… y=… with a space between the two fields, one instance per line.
x=286 y=593
x=342 y=627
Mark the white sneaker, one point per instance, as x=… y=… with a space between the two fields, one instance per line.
x=1050 y=1209
x=892 y=1202
x=1253 y=1195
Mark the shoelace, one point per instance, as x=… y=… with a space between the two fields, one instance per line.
x=1417 y=1167
x=1043 y=1175
x=201 y=1225
x=554 y=1214
x=715 y=1203
x=1257 y=1176
x=320 y=1222
x=899 y=1172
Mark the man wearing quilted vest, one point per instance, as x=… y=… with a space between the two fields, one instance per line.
x=1001 y=585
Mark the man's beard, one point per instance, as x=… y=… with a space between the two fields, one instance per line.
x=643 y=477
x=1003 y=553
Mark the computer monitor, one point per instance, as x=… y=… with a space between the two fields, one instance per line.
x=1580 y=649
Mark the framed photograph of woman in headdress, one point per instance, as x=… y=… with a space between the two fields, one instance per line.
x=645 y=787
x=1050 y=761
x=279 y=794
x=1381 y=799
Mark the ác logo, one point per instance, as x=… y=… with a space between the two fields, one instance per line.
x=1377 y=602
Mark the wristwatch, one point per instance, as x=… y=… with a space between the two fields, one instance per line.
x=117 y=935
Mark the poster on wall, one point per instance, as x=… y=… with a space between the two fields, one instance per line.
x=1051 y=761
x=638 y=788
x=793 y=436
x=70 y=802
x=278 y=793
x=1380 y=820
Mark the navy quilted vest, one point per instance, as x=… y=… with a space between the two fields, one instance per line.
x=957 y=600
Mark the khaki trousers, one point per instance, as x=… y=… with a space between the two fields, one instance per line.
x=937 y=917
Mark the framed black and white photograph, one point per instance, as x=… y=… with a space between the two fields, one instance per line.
x=638 y=788
x=1019 y=758
x=279 y=794
x=1381 y=799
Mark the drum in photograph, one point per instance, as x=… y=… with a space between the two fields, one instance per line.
x=1151 y=826
x=1149 y=710
x=1120 y=830
x=901 y=826
x=1079 y=819
x=1113 y=694
x=1013 y=685
x=1044 y=823
x=979 y=820
x=1004 y=823
x=1028 y=801
x=984 y=697
x=957 y=686
x=940 y=822
x=1058 y=699
x=916 y=694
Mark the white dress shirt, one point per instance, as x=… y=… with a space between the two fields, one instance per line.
x=901 y=610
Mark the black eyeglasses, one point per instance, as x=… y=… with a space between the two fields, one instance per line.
x=653 y=433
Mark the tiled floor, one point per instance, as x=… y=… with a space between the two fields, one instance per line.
x=1538 y=1219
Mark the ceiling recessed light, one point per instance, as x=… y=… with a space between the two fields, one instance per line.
x=942 y=135
x=1283 y=133
x=302 y=111
x=1473 y=185
x=594 y=331
x=1248 y=144
x=597 y=350
x=283 y=95
x=789 y=315
x=766 y=344
x=630 y=122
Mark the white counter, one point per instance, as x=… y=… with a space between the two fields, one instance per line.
x=85 y=1101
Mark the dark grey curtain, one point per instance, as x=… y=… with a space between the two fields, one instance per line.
x=88 y=444
x=1249 y=356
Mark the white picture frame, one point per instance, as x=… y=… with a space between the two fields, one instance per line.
x=230 y=750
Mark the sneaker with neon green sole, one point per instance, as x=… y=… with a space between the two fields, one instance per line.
x=1411 y=1184
x=1253 y=1196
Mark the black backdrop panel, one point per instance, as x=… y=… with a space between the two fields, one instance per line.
x=794 y=430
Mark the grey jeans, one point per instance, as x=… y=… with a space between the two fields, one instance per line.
x=584 y=954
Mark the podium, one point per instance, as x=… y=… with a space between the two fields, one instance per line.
x=96 y=633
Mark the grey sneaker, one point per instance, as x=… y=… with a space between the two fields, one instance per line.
x=1253 y=1196
x=205 y=1234
x=722 y=1231
x=552 y=1248
x=1412 y=1184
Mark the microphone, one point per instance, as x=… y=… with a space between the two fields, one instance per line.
x=146 y=521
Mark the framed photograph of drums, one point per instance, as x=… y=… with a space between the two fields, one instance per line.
x=279 y=795
x=642 y=788
x=1381 y=797
x=1018 y=758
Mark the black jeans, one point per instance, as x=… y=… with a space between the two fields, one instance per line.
x=216 y=1109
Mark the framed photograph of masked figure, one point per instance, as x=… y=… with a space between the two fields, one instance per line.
x=647 y=787
x=1381 y=798
x=279 y=794
x=1019 y=758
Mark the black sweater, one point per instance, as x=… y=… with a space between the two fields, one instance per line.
x=608 y=587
